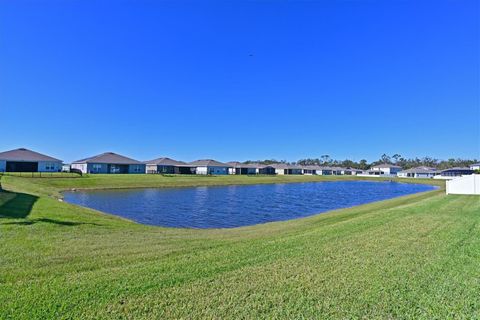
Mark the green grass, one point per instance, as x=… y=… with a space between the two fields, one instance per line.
x=411 y=257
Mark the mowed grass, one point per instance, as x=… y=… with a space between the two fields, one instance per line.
x=411 y=257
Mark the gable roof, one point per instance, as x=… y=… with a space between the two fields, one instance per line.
x=458 y=169
x=23 y=154
x=385 y=165
x=420 y=170
x=236 y=164
x=284 y=166
x=208 y=163
x=165 y=162
x=109 y=157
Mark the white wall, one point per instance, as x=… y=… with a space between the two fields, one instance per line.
x=80 y=166
x=469 y=184
x=202 y=170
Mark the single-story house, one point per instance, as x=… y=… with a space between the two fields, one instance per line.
x=418 y=172
x=209 y=166
x=310 y=170
x=242 y=168
x=324 y=171
x=475 y=166
x=168 y=166
x=385 y=169
x=282 y=168
x=265 y=169
x=351 y=171
x=456 y=172
x=24 y=160
x=337 y=171
x=108 y=162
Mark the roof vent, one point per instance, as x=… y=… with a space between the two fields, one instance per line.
x=23 y=149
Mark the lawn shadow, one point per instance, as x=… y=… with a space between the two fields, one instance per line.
x=19 y=206
x=28 y=222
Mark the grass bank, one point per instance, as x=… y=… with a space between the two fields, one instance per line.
x=410 y=257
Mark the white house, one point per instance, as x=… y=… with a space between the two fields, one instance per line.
x=24 y=160
x=385 y=169
x=108 y=162
x=209 y=166
x=469 y=184
x=475 y=166
x=351 y=171
x=283 y=168
x=418 y=172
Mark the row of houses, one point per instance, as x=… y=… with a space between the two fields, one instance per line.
x=24 y=160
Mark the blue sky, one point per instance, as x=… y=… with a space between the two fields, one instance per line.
x=238 y=80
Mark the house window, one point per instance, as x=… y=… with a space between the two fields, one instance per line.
x=96 y=167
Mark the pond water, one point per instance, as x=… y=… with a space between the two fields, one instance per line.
x=235 y=206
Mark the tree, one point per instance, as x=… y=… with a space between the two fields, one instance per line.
x=385 y=158
x=363 y=164
x=396 y=157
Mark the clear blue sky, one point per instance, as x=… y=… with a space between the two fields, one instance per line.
x=238 y=80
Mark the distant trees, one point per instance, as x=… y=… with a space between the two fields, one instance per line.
x=397 y=159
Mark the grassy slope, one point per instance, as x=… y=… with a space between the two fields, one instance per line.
x=411 y=257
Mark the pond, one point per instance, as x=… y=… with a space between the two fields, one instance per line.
x=235 y=206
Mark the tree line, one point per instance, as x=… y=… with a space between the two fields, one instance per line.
x=396 y=159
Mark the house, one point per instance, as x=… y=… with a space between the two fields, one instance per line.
x=418 y=172
x=351 y=171
x=475 y=166
x=283 y=168
x=337 y=171
x=385 y=169
x=265 y=169
x=242 y=168
x=168 y=166
x=310 y=170
x=324 y=171
x=108 y=162
x=25 y=160
x=209 y=166
x=456 y=172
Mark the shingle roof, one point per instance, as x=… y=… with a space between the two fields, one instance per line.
x=284 y=166
x=386 y=165
x=22 y=154
x=208 y=163
x=420 y=170
x=236 y=164
x=109 y=157
x=458 y=168
x=165 y=162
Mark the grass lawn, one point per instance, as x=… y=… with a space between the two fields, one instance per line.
x=412 y=257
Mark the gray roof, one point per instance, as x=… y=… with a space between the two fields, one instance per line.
x=386 y=165
x=284 y=166
x=22 y=154
x=165 y=162
x=236 y=164
x=458 y=168
x=475 y=164
x=208 y=163
x=109 y=157
x=420 y=170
